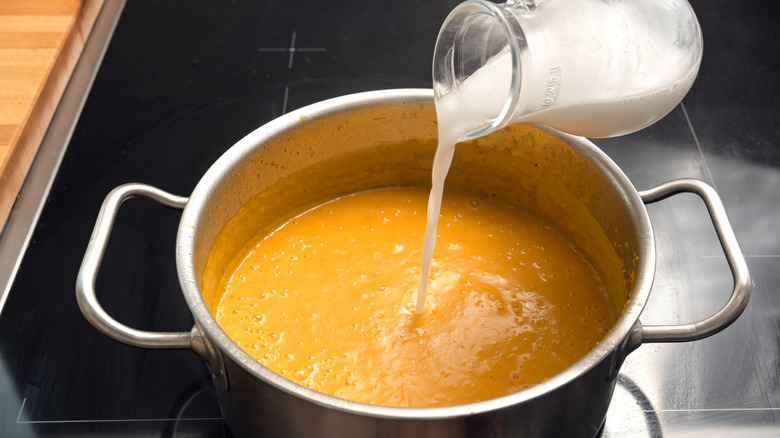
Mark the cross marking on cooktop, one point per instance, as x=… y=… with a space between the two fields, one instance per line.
x=292 y=49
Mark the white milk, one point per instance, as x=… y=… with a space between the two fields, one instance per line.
x=458 y=114
x=611 y=75
x=601 y=69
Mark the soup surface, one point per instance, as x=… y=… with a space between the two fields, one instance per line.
x=328 y=301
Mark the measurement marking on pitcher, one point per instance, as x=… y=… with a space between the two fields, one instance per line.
x=109 y=420
x=291 y=50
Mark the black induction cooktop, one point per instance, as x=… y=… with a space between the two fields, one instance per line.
x=182 y=80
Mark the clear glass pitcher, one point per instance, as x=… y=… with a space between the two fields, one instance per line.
x=596 y=68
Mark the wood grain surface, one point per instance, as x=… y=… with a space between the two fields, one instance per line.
x=40 y=43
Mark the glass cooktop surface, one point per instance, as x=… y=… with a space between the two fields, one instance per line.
x=183 y=80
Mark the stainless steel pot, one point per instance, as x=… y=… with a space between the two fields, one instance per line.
x=387 y=138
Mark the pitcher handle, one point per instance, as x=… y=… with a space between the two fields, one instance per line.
x=85 y=283
x=739 y=270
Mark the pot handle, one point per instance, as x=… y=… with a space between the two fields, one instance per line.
x=85 y=283
x=739 y=270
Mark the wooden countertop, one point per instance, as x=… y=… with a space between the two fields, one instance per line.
x=40 y=44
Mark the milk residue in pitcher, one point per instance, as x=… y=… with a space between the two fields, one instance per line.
x=594 y=68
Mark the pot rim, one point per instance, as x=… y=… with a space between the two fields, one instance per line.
x=614 y=343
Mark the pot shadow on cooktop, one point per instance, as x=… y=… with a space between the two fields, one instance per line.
x=643 y=406
x=186 y=414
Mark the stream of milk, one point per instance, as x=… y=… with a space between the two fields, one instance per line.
x=613 y=89
x=458 y=113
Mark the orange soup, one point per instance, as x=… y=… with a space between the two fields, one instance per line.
x=327 y=300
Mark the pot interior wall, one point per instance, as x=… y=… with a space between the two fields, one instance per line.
x=321 y=156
